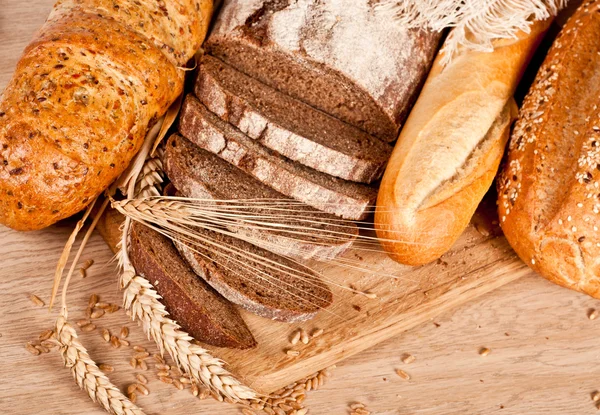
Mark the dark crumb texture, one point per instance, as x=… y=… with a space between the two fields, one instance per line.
x=198 y=308
x=197 y=173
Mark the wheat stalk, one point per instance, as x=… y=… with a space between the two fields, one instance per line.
x=87 y=374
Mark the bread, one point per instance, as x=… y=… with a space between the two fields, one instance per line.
x=342 y=198
x=196 y=307
x=197 y=173
x=257 y=280
x=288 y=126
x=449 y=149
x=82 y=98
x=346 y=58
x=548 y=192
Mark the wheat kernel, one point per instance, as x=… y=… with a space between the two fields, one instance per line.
x=162 y=373
x=45 y=335
x=144 y=390
x=370 y=295
x=106 y=368
x=106 y=335
x=185 y=381
x=194 y=389
x=408 y=359
x=132 y=397
x=178 y=384
x=83 y=322
x=247 y=411
x=93 y=300
x=88 y=312
x=279 y=411
x=143 y=364
x=112 y=308
x=484 y=351
x=87 y=264
x=295 y=337
x=82 y=272
x=357 y=405
x=204 y=393
x=402 y=374
x=88 y=327
x=124 y=342
x=102 y=305
x=595 y=396
x=141 y=355
x=133 y=362
x=158 y=358
x=269 y=411
x=114 y=341
x=32 y=349
x=304 y=337
x=49 y=344
x=132 y=388
x=290 y=352
x=593 y=314
x=97 y=313
x=36 y=300
x=42 y=348
x=302 y=411
x=124 y=332
x=142 y=379
x=316 y=332
x=162 y=366
x=165 y=379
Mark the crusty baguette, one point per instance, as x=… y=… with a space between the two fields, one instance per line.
x=449 y=149
x=82 y=98
x=548 y=192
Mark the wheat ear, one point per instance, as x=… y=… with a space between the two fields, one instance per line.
x=87 y=374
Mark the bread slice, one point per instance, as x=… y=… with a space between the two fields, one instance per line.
x=288 y=126
x=349 y=59
x=258 y=280
x=197 y=173
x=196 y=307
x=324 y=192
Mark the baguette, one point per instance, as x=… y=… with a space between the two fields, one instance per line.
x=449 y=149
x=82 y=98
x=548 y=192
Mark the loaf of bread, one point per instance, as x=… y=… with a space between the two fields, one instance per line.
x=449 y=149
x=305 y=232
x=82 y=98
x=324 y=192
x=549 y=189
x=346 y=58
x=196 y=307
x=290 y=127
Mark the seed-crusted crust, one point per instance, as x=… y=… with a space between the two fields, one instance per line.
x=200 y=174
x=327 y=193
x=199 y=309
x=83 y=96
x=288 y=126
x=548 y=192
x=347 y=58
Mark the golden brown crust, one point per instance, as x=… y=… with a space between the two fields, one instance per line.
x=76 y=111
x=549 y=191
x=449 y=150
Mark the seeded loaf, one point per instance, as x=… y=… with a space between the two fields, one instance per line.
x=324 y=192
x=549 y=189
x=197 y=173
x=259 y=281
x=82 y=98
x=348 y=58
x=288 y=126
x=197 y=307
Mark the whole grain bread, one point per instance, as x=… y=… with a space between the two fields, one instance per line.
x=288 y=126
x=197 y=307
x=310 y=233
x=350 y=59
x=324 y=192
x=258 y=280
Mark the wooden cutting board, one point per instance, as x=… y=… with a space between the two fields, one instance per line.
x=480 y=262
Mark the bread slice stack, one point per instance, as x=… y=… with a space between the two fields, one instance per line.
x=294 y=102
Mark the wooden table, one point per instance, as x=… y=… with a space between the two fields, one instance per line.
x=544 y=351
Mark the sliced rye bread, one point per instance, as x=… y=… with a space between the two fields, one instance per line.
x=350 y=59
x=258 y=280
x=197 y=173
x=197 y=307
x=288 y=126
x=330 y=194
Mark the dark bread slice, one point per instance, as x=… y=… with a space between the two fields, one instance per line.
x=256 y=279
x=288 y=126
x=324 y=192
x=197 y=307
x=347 y=58
x=197 y=173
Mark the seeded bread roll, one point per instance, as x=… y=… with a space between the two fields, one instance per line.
x=324 y=192
x=349 y=59
x=197 y=173
x=87 y=88
x=448 y=152
x=198 y=308
x=548 y=192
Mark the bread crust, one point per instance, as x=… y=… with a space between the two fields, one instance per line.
x=449 y=149
x=77 y=109
x=548 y=192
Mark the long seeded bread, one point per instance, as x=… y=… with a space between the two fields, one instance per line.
x=288 y=126
x=351 y=59
x=197 y=173
x=258 y=280
x=324 y=192
x=197 y=307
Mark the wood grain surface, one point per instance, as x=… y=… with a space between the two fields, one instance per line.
x=544 y=355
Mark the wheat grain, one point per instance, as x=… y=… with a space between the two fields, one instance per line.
x=88 y=327
x=82 y=272
x=36 y=300
x=593 y=314
x=32 y=349
x=316 y=332
x=292 y=353
x=295 y=338
x=133 y=362
x=97 y=313
x=102 y=305
x=50 y=344
x=106 y=368
x=304 y=336
x=143 y=389
x=113 y=308
x=595 y=396
x=114 y=341
x=141 y=355
x=45 y=335
x=403 y=375
x=83 y=322
x=408 y=358
x=124 y=342
x=132 y=397
x=87 y=264
x=132 y=388
x=165 y=379
x=142 y=379
x=142 y=349
x=87 y=375
x=142 y=364
x=42 y=349
x=93 y=300
x=106 y=335
x=484 y=351
x=124 y=332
